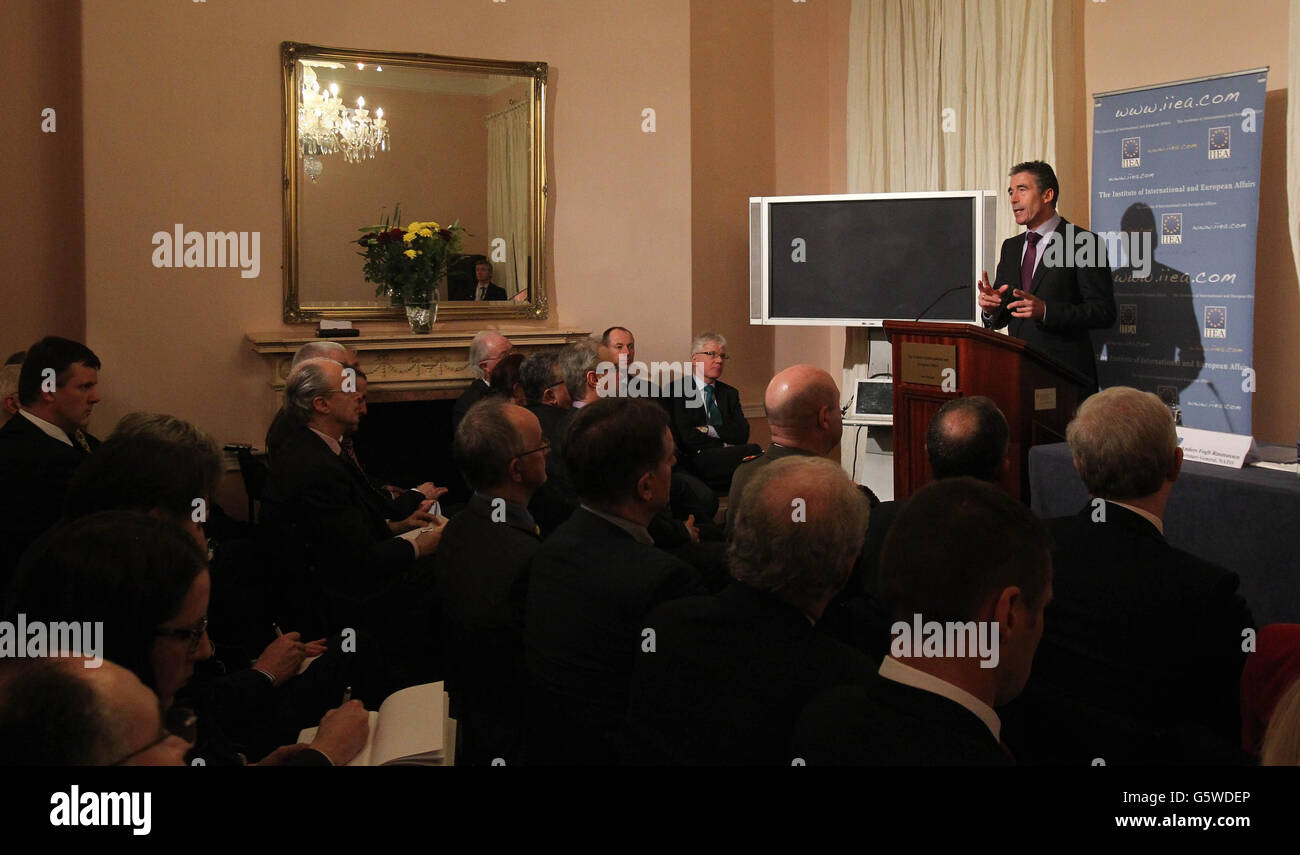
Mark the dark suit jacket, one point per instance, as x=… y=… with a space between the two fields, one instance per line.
x=323 y=502
x=1140 y=629
x=589 y=591
x=556 y=500
x=467 y=290
x=1078 y=299
x=888 y=724
x=477 y=391
x=728 y=678
x=35 y=470
x=746 y=471
x=734 y=429
x=482 y=579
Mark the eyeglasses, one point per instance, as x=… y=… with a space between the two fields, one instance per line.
x=713 y=354
x=193 y=635
x=553 y=385
x=181 y=722
x=545 y=446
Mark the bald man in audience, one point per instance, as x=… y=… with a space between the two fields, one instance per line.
x=803 y=413
x=966 y=561
x=70 y=711
x=486 y=349
x=1142 y=636
x=729 y=673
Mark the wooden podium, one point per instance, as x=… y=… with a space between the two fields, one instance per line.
x=934 y=363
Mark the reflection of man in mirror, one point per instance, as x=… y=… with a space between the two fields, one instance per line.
x=484 y=288
x=1156 y=345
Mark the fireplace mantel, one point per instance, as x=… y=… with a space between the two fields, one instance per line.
x=404 y=366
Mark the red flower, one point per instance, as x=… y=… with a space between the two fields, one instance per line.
x=445 y=234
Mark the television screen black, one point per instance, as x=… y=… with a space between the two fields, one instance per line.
x=862 y=260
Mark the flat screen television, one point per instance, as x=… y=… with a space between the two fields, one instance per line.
x=862 y=259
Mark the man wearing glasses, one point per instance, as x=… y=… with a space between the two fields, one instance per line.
x=708 y=423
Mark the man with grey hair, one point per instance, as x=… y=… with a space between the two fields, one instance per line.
x=728 y=674
x=283 y=422
x=315 y=492
x=708 y=424
x=578 y=363
x=486 y=349
x=1141 y=630
x=483 y=573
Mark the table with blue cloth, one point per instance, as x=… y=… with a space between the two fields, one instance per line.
x=1247 y=520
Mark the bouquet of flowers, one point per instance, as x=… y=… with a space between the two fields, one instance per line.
x=408 y=263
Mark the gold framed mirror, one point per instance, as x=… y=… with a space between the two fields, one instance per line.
x=374 y=136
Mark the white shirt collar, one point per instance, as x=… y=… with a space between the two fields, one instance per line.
x=639 y=532
x=1146 y=515
x=1048 y=227
x=54 y=431
x=335 y=445
x=899 y=672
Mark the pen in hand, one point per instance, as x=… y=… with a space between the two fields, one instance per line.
x=347 y=695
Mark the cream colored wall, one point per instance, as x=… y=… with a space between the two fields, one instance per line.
x=42 y=280
x=1131 y=43
x=182 y=103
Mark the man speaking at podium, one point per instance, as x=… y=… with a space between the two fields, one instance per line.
x=1053 y=282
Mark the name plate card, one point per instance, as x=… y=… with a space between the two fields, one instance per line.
x=925 y=364
x=1218 y=449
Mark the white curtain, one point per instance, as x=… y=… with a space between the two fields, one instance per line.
x=509 y=147
x=946 y=95
x=1293 y=132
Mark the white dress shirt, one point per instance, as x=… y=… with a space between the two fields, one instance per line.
x=892 y=669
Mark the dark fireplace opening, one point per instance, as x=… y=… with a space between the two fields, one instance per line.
x=409 y=442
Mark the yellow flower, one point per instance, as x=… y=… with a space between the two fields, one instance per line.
x=409 y=236
x=410 y=253
x=425 y=233
x=413 y=226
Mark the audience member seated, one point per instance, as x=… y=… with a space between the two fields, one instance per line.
x=317 y=492
x=1270 y=669
x=147 y=581
x=483 y=287
x=1143 y=647
x=728 y=674
x=9 y=373
x=633 y=380
x=505 y=378
x=579 y=364
x=1282 y=739
x=72 y=711
x=483 y=562
x=401 y=502
x=595 y=578
x=708 y=423
x=973 y=563
x=967 y=438
x=803 y=413
x=42 y=445
x=548 y=400
x=283 y=425
x=486 y=349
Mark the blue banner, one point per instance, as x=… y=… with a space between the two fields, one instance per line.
x=1175 y=191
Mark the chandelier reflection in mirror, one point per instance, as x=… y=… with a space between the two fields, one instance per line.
x=325 y=126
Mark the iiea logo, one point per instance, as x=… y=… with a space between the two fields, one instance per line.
x=1216 y=321
x=1128 y=319
x=1171 y=228
x=1130 y=152
x=1220 y=147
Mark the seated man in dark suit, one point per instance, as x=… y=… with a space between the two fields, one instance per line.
x=320 y=495
x=596 y=577
x=482 y=287
x=965 y=574
x=1143 y=633
x=708 y=422
x=486 y=349
x=728 y=674
x=548 y=400
x=45 y=442
x=483 y=564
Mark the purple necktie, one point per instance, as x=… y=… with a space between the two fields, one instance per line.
x=1027 y=263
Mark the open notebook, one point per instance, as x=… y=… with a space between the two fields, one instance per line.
x=411 y=728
